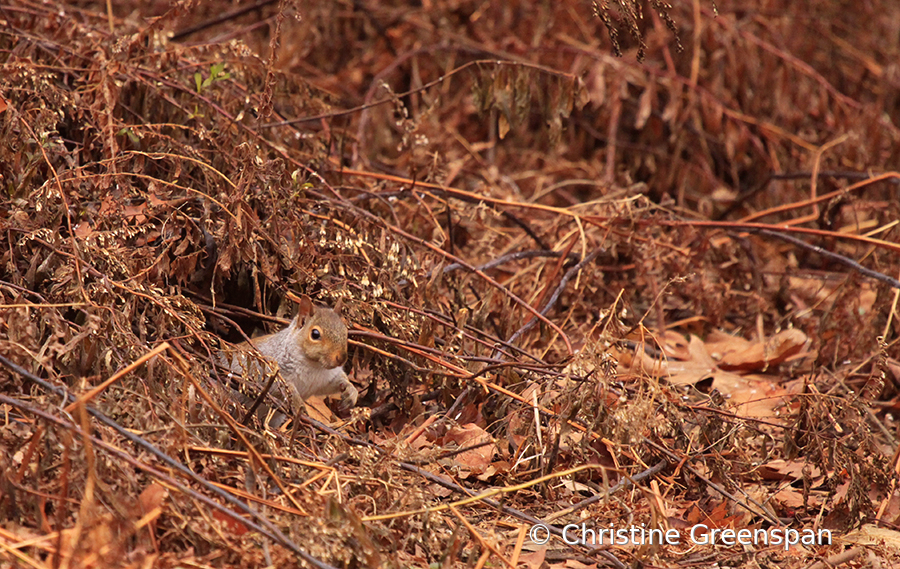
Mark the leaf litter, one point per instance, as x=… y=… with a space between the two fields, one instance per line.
x=569 y=278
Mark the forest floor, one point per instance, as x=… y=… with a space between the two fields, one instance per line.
x=634 y=309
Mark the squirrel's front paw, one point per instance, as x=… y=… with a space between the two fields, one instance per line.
x=348 y=395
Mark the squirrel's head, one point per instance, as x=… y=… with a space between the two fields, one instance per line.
x=323 y=334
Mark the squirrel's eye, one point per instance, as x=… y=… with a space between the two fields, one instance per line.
x=315 y=334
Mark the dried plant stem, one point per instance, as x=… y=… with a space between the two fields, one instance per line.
x=555 y=296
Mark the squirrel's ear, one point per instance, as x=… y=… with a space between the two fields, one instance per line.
x=338 y=305
x=306 y=308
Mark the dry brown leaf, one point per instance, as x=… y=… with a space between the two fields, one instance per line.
x=534 y=559
x=736 y=354
x=779 y=469
x=871 y=534
x=152 y=497
x=474 y=461
x=757 y=396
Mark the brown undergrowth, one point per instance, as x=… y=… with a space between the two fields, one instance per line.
x=630 y=293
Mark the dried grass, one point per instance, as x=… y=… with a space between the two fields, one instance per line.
x=565 y=271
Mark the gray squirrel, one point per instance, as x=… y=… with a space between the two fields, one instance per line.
x=310 y=353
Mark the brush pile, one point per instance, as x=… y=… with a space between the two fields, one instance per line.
x=648 y=292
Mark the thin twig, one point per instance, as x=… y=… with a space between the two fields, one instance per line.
x=890 y=281
x=231 y=15
x=508 y=258
x=556 y=294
